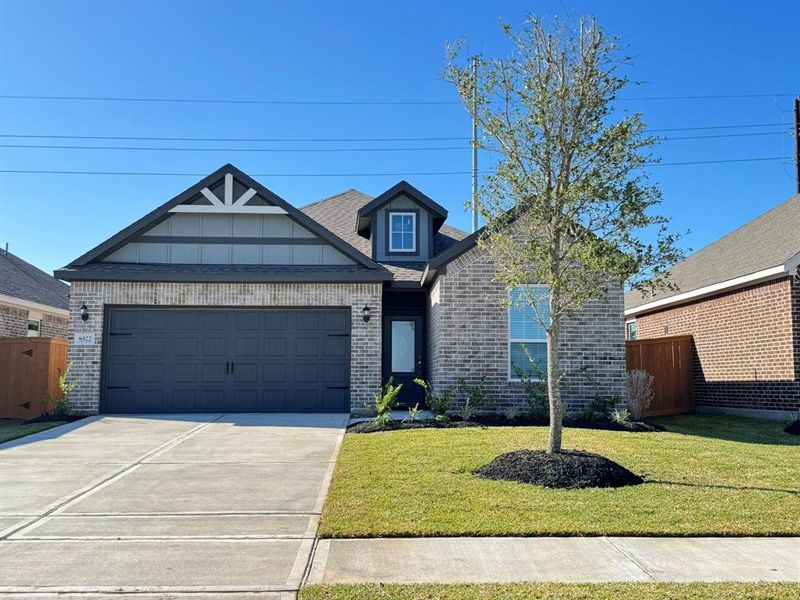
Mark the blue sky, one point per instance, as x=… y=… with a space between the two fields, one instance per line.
x=362 y=51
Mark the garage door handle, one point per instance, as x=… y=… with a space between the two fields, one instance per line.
x=227 y=367
x=233 y=367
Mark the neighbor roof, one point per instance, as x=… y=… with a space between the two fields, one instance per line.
x=20 y=279
x=768 y=243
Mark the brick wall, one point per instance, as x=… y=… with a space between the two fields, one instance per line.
x=468 y=337
x=747 y=345
x=13 y=321
x=52 y=326
x=365 y=367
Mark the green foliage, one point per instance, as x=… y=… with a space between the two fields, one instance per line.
x=438 y=404
x=620 y=416
x=475 y=397
x=61 y=405
x=512 y=412
x=385 y=401
x=568 y=203
x=535 y=394
x=600 y=408
x=413 y=413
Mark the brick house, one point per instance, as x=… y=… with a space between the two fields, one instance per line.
x=228 y=298
x=740 y=300
x=32 y=303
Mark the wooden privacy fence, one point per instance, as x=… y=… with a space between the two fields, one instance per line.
x=29 y=372
x=669 y=361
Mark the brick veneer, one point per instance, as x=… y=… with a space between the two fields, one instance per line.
x=468 y=337
x=52 y=326
x=13 y=321
x=747 y=345
x=365 y=364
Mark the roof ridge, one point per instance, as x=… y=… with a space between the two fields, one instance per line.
x=321 y=200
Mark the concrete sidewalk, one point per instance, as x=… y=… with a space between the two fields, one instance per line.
x=571 y=560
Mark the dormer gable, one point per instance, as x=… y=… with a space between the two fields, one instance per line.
x=400 y=223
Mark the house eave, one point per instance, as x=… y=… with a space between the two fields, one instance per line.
x=716 y=288
x=31 y=305
x=232 y=277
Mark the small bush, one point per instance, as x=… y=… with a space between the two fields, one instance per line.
x=61 y=405
x=385 y=401
x=600 y=408
x=413 y=413
x=438 y=404
x=535 y=394
x=640 y=393
x=621 y=417
x=475 y=398
x=512 y=412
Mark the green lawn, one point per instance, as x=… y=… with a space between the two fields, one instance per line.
x=11 y=429
x=708 y=475
x=556 y=591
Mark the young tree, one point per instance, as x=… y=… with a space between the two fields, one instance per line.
x=568 y=198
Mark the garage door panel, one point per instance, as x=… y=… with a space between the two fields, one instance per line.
x=226 y=360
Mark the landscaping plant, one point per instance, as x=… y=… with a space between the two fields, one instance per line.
x=474 y=397
x=535 y=394
x=567 y=200
x=438 y=404
x=413 y=413
x=385 y=401
x=61 y=405
x=640 y=393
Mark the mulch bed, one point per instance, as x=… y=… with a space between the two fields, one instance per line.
x=491 y=420
x=793 y=428
x=566 y=470
x=51 y=418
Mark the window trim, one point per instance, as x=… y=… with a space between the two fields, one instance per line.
x=627 y=332
x=38 y=329
x=414 y=232
x=512 y=377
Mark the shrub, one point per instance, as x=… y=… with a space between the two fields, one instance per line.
x=600 y=407
x=620 y=416
x=385 y=401
x=512 y=412
x=61 y=405
x=475 y=397
x=640 y=392
x=413 y=413
x=438 y=404
x=535 y=395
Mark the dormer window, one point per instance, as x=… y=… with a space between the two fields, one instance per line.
x=402 y=232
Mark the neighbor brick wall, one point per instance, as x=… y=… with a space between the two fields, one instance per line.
x=365 y=364
x=468 y=337
x=746 y=345
x=53 y=326
x=13 y=321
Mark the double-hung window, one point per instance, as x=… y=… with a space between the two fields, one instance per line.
x=528 y=313
x=402 y=232
x=34 y=325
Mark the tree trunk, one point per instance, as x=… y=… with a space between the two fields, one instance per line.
x=554 y=390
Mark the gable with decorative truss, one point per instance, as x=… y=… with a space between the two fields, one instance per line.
x=227 y=223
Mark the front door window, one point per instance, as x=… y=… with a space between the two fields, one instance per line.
x=403 y=351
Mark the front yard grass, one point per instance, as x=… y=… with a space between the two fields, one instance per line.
x=11 y=429
x=707 y=475
x=556 y=591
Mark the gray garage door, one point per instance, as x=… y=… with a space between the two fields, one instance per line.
x=213 y=360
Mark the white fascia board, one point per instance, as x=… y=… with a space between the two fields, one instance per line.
x=30 y=305
x=710 y=290
x=205 y=208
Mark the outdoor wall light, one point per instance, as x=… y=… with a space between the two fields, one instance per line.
x=84 y=312
x=365 y=313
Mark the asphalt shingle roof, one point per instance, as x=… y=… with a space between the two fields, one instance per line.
x=765 y=242
x=338 y=213
x=20 y=279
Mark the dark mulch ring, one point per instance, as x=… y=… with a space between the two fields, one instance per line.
x=793 y=428
x=495 y=420
x=570 y=469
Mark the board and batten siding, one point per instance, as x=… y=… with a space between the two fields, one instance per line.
x=380 y=230
x=241 y=239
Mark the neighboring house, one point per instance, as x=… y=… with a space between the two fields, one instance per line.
x=740 y=300
x=227 y=298
x=32 y=303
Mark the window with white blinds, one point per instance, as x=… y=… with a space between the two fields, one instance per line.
x=528 y=314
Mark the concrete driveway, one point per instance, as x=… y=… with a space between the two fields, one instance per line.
x=167 y=506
